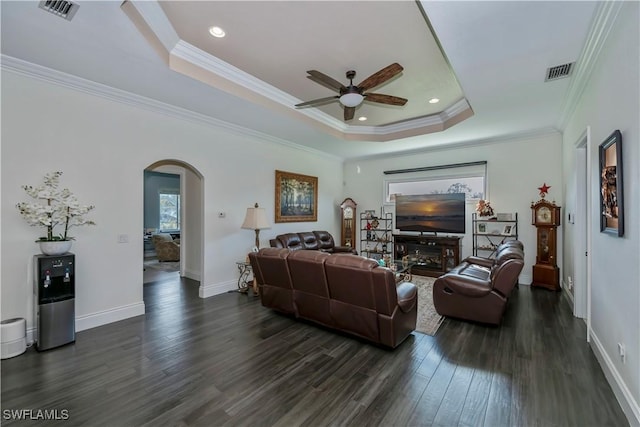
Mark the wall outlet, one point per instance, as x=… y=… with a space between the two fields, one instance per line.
x=123 y=238
x=570 y=282
x=622 y=351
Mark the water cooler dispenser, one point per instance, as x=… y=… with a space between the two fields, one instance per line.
x=54 y=300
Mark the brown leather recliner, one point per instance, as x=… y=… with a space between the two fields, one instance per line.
x=274 y=279
x=478 y=288
x=310 y=240
x=346 y=292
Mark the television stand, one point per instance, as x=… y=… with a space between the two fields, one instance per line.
x=433 y=255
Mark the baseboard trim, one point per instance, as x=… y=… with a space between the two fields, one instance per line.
x=192 y=274
x=207 y=291
x=629 y=406
x=31 y=336
x=568 y=296
x=525 y=279
x=100 y=318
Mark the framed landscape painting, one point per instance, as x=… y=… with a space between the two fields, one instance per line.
x=611 y=195
x=296 y=197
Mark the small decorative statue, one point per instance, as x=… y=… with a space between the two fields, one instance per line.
x=483 y=208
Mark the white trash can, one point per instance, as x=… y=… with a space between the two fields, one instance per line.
x=13 y=337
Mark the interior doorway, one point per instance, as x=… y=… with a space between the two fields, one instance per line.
x=582 y=233
x=174 y=193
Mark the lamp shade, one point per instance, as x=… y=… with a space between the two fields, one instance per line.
x=255 y=219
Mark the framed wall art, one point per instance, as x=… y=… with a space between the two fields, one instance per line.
x=611 y=193
x=296 y=197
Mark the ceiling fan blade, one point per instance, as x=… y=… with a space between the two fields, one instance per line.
x=319 y=101
x=325 y=80
x=349 y=112
x=381 y=76
x=384 y=99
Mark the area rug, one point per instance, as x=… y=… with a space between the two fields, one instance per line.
x=428 y=319
x=166 y=266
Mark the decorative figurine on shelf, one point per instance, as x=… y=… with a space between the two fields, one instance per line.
x=368 y=225
x=483 y=208
x=387 y=260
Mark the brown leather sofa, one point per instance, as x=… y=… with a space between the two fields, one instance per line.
x=310 y=240
x=478 y=288
x=346 y=292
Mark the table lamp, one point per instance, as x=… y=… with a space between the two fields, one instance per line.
x=256 y=219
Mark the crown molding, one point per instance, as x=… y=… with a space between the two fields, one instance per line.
x=513 y=137
x=155 y=20
x=193 y=61
x=69 y=81
x=603 y=21
x=203 y=60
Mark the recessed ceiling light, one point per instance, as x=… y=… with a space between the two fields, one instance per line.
x=434 y=101
x=217 y=32
x=362 y=118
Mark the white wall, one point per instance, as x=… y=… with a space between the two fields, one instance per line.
x=516 y=168
x=611 y=101
x=192 y=225
x=103 y=147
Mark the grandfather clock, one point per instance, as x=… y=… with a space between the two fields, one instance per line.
x=347 y=221
x=546 y=218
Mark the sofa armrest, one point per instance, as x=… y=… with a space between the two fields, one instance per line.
x=407 y=296
x=485 y=262
x=465 y=285
x=275 y=243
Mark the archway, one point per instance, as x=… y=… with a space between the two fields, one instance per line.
x=191 y=215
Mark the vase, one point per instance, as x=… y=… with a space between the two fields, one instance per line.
x=57 y=247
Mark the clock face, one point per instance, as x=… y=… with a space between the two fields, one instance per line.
x=543 y=215
x=348 y=213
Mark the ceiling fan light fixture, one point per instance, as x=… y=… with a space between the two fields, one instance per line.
x=352 y=99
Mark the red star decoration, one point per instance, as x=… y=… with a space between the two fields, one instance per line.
x=544 y=189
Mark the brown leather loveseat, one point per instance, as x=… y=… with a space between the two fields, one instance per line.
x=346 y=292
x=311 y=240
x=478 y=288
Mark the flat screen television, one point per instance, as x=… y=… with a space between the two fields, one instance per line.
x=443 y=213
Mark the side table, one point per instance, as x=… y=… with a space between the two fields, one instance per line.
x=402 y=270
x=246 y=279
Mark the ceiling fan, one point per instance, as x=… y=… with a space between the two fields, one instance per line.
x=351 y=96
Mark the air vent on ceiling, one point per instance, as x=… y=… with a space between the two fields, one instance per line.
x=64 y=9
x=559 y=71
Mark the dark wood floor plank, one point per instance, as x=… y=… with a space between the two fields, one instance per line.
x=431 y=399
x=453 y=401
x=228 y=361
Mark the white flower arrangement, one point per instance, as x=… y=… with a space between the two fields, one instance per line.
x=61 y=207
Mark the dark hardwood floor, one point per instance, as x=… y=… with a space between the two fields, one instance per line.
x=226 y=360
